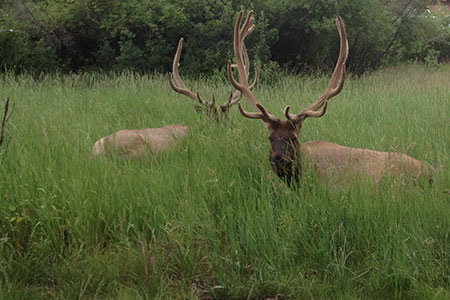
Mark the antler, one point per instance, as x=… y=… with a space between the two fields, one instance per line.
x=179 y=86
x=264 y=115
x=334 y=87
x=246 y=63
x=240 y=33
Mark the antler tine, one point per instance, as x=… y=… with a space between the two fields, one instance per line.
x=236 y=49
x=231 y=97
x=249 y=114
x=203 y=101
x=336 y=82
x=224 y=107
x=174 y=77
x=309 y=113
x=246 y=62
x=238 y=44
x=246 y=28
x=213 y=101
x=255 y=80
x=245 y=59
x=236 y=96
x=267 y=116
x=240 y=55
x=263 y=114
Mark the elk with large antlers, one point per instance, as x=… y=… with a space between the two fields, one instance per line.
x=206 y=107
x=332 y=162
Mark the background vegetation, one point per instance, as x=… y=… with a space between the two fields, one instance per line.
x=298 y=36
x=209 y=219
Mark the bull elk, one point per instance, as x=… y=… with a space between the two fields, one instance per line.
x=332 y=162
x=137 y=142
x=206 y=107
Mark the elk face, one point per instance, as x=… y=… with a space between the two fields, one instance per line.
x=284 y=150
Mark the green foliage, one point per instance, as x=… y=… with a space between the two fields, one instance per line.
x=18 y=53
x=438 y=36
x=300 y=36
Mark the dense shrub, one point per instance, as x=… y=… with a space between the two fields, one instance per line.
x=92 y=35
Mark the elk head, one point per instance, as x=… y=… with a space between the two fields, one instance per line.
x=285 y=146
x=209 y=108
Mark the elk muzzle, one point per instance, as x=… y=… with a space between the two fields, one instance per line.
x=284 y=159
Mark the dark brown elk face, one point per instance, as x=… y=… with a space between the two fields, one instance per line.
x=216 y=113
x=284 y=150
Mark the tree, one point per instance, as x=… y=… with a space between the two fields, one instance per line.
x=300 y=36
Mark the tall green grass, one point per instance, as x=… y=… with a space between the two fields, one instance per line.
x=208 y=218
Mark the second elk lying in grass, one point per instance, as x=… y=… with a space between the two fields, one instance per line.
x=333 y=163
x=138 y=142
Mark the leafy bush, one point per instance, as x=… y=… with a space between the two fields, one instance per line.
x=92 y=35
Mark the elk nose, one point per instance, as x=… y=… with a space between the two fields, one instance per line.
x=278 y=159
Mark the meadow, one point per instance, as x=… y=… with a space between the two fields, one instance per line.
x=209 y=219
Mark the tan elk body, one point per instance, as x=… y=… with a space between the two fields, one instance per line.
x=137 y=142
x=333 y=163
x=339 y=164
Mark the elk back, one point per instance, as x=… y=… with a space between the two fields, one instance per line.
x=137 y=142
x=339 y=164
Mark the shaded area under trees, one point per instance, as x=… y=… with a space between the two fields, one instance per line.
x=91 y=35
